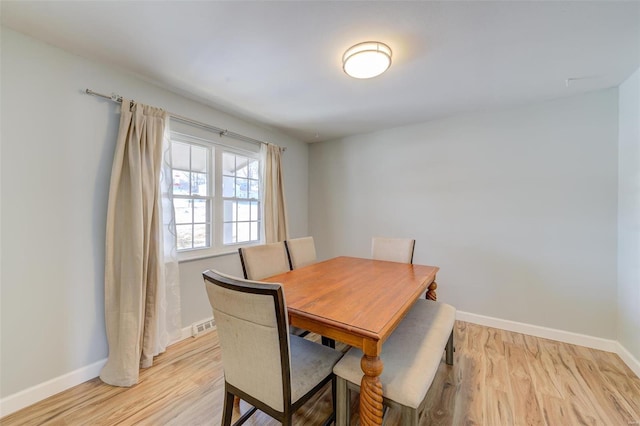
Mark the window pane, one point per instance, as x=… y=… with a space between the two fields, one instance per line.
x=244 y=210
x=254 y=170
x=254 y=231
x=229 y=211
x=242 y=166
x=228 y=164
x=199 y=184
x=228 y=188
x=229 y=234
x=200 y=211
x=183 y=234
x=180 y=182
x=242 y=188
x=179 y=155
x=255 y=212
x=254 y=189
x=243 y=232
x=199 y=157
x=182 y=210
x=200 y=236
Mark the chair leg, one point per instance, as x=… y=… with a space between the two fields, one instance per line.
x=227 y=411
x=288 y=419
x=243 y=418
x=334 y=389
x=343 y=402
x=449 y=349
x=331 y=420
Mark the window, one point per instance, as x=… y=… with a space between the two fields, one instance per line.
x=241 y=195
x=192 y=197
x=217 y=197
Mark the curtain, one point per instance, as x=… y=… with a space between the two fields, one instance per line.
x=140 y=268
x=169 y=319
x=275 y=212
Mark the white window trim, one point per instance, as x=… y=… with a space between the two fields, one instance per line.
x=218 y=248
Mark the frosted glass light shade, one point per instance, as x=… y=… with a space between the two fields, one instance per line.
x=366 y=60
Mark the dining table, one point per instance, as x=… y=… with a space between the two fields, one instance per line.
x=358 y=302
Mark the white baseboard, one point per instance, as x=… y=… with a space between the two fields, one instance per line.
x=22 y=399
x=184 y=334
x=555 y=334
x=188 y=331
x=628 y=359
x=539 y=331
x=37 y=393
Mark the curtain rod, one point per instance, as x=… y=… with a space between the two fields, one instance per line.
x=222 y=132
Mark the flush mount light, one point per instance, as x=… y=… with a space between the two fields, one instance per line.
x=366 y=60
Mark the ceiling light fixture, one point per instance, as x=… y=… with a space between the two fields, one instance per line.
x=366 y=60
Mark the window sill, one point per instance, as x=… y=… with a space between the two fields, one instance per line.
x=199 y=254
x=193 y=256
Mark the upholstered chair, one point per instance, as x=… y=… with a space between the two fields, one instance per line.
x=264 y=261
x=301 y=251
x=393 y=249
x=263 y=364
x=401 y=250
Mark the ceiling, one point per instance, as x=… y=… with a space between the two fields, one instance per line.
x=279 y=63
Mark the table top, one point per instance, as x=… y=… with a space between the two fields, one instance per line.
x=353 y=300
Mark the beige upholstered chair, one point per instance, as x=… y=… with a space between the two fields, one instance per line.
x=286 y=370
x=301 y=251
x=401 y=250
x=393 y=249
x=263 y=261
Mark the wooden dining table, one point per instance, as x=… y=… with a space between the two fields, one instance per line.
x=358 y=302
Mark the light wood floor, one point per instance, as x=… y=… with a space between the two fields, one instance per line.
x=498 y=378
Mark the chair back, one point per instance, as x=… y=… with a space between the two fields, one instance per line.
x=251 y=319
x=263 y=261
x=393 y=249
x=301 y=251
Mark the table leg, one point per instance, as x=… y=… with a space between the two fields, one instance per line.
x=431 y=291
x=371 y=391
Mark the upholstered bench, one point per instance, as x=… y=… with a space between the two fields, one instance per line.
x=411 y=356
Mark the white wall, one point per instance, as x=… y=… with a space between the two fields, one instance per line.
x=629 y=216
x=57 y=149
x=517 y=207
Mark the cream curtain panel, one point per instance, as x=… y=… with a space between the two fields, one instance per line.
x=141 y=285
x=275 y=212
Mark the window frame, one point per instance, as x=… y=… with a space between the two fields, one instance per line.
x=248 y=199
x=210 y=196
x=217 y=246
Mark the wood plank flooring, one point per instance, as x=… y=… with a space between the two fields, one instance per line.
x=498 y=378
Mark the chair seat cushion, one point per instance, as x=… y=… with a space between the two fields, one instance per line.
x=310 y=364
x=411 y=355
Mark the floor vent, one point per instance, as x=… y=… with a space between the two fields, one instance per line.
x=201 y=327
